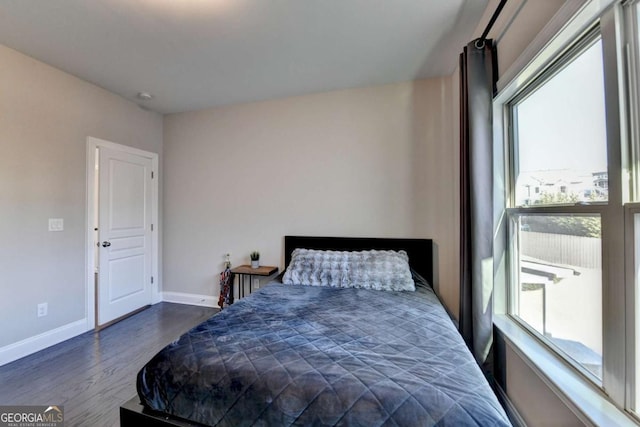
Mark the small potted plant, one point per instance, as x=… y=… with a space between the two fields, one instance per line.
x=255 y=259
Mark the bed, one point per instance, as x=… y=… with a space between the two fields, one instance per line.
x=319 y=355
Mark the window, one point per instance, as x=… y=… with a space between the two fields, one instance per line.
x=567 y=252
x=559 y=141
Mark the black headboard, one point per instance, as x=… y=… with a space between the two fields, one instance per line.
x=420 y=251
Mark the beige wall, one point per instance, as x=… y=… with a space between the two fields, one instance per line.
x=532 y=17
x=45 y=118
x=363 y=162
x=533 y=399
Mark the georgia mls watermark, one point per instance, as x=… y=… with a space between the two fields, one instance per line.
x=32 y=416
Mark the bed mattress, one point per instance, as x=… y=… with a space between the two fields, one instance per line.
x=300 y=355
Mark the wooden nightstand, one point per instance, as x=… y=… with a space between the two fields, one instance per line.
x=246 y=270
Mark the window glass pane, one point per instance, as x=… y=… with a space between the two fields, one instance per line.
x=559 y=277
x=561 y=137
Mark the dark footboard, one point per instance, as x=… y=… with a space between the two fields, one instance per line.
x=133 y=414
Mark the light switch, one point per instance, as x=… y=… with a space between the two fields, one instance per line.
x=56 y=224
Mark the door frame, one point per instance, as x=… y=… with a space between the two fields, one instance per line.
x=92 y=197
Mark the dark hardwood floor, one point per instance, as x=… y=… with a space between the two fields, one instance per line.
x=94 y=373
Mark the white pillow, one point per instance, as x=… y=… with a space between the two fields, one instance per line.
x=381 y=270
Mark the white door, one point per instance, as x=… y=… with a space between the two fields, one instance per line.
x=124 y=230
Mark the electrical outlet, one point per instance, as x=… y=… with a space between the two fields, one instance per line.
x=43 y=309
x=56 y=224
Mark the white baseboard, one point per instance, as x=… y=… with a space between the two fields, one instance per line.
x=512 y=412
x=28 y=346
x=190 y=299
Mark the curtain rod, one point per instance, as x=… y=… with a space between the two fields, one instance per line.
x=492 y=21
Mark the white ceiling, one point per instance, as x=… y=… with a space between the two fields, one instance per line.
x=194 y=54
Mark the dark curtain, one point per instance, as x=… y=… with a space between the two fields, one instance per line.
x=477 y=80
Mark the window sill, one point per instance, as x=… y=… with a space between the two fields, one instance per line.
x=576 y=390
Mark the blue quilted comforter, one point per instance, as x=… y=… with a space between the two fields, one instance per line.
x=299 y=355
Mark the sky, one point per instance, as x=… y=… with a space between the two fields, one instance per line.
x=562 y=124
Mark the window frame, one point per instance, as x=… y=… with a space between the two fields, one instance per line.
x=631 y=152
x=514 y=210
x=564 y=58
x=632 y=306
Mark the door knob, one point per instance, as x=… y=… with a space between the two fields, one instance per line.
x=106 y=244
